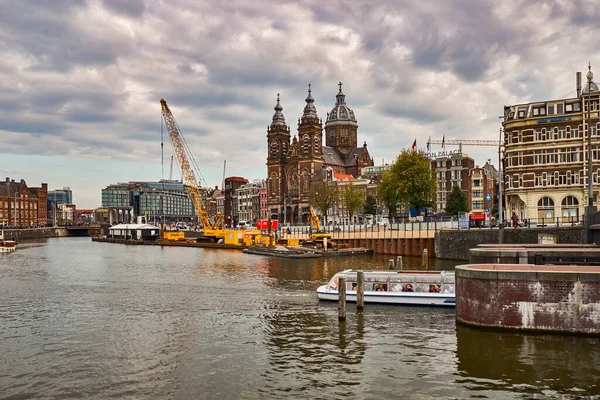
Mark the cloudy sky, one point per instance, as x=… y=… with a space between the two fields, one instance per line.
x=81 y=81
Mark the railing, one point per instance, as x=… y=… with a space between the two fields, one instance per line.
x=425 y=228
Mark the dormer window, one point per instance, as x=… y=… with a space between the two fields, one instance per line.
x=522 y=112
x=540 y=110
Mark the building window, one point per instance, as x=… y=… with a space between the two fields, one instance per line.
x=545 y=208
x=538 y=179
x=559 y=108
x=550 y=109
x=562 y=178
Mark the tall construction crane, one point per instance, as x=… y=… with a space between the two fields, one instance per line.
x=212 y=229
x=461 y=142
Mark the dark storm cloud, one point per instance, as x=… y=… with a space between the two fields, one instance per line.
x=130 y=8
x=49 y=34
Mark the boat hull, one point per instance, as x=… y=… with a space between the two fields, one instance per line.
x=399 y=298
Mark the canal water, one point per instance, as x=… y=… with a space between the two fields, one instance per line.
x=80 y=319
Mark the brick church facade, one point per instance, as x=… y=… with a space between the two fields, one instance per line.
x=293 y=164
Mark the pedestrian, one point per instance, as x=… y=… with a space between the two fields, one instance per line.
x=515 y=220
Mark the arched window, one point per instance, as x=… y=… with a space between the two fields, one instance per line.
x=305 y=144
x=545 y=209
x=569 y=209
x=317 y=144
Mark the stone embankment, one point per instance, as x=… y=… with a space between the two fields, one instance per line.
x=553 y=298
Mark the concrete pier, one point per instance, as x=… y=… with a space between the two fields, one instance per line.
x=553 y=298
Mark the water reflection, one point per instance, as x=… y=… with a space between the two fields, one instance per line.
x=528 y=363
x=316 y=349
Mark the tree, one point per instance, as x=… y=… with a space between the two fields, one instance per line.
x=456 y=202
x=323 y=196
x=370 y=206
x=409 y=180
x=352 y=198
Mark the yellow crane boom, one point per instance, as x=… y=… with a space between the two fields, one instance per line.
x=214 y=230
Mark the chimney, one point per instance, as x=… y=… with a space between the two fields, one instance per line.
x=578 y=79
x=7 y=179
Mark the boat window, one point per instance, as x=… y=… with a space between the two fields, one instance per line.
x=402 y=278
x=333 y=282
x=448 y=288
x=430 y=279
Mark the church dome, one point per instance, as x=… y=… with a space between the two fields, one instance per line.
x=590 y=86
x=341 y=114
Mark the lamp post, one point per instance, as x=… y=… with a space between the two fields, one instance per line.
x=501 y=220
x=590 y=209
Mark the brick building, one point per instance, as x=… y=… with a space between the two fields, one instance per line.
x=451 y=168
x=20 y=205
x=230 y=206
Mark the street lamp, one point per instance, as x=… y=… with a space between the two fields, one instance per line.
x=590 y=209
x=501 y=220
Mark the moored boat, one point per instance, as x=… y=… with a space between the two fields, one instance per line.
x=426 y=288
x=7 y=246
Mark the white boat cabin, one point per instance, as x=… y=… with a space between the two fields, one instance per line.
x=398 y=281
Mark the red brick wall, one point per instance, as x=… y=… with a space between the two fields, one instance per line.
x=571 y=304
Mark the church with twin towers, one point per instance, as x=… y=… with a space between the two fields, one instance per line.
x=293 y=164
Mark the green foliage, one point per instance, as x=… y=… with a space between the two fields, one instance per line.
x=370 y=206
x=410 y=181
x=352 y=198
x=323 y=196
x=456 y=202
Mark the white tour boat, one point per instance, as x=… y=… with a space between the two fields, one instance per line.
x=425 y=288
x=7 y=246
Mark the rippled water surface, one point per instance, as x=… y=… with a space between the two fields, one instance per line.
x=98 y=320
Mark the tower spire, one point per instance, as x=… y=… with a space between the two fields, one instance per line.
x=278 y=118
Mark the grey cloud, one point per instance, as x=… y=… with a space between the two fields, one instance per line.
x=130 y=8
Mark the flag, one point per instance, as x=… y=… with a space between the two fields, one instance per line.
x=414 y=146
x=443 y=140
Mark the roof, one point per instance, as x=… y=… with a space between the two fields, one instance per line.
x=343 y=177
x=332 y=157
x=133 y=226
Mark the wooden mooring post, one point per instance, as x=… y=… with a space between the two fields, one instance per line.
x=425 y=259
x=342 y=298
x=360 y=289
x=391 y=266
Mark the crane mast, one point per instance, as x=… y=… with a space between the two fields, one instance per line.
x=188 y=176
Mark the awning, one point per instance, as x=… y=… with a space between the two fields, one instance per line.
x=477 y=217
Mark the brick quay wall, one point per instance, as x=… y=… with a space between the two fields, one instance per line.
x=455 y=244
x=562 y=298
x=33 y=233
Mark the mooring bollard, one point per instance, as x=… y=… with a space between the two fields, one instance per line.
x=391 y=265
x=360 y=289
x=425 y=259
x=399 y=262
x=342 y=298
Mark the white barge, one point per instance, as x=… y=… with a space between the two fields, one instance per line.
x=423 y=288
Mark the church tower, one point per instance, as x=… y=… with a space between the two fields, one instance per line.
x=341 y=127
x=278 y=141
x=310 y=147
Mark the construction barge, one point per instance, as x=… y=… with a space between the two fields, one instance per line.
x=300 y=252
x=296 y=252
